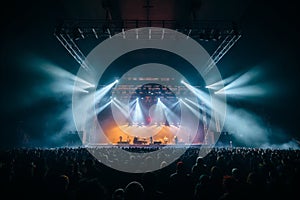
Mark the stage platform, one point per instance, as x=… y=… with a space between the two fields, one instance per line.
x=156 y=146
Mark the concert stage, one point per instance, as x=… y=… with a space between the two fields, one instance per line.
x=146 y=146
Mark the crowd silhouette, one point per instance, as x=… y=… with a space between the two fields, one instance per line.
x=224 y=173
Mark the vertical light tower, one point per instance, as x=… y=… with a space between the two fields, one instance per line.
x=204 y=119
x=216 y=129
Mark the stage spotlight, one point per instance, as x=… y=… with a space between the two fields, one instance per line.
x=245 y=85
x=195 y=104
x=193 y=110
x=123 y=109
x=137 y=112
x=168 y=113
x=98 y=110
x=203 y=96
x=221 y=91
x=100 y=93
x=80 y=90
x=220 y=84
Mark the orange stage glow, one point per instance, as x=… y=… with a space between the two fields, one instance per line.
x=125 y=133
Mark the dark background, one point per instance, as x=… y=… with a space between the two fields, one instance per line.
x=29 y=109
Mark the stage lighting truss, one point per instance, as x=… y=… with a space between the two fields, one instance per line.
x=224 y=32
x=152 y=92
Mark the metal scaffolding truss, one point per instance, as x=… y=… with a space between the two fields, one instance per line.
x=222 y=49
x=68 y=42
x=225 y=32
